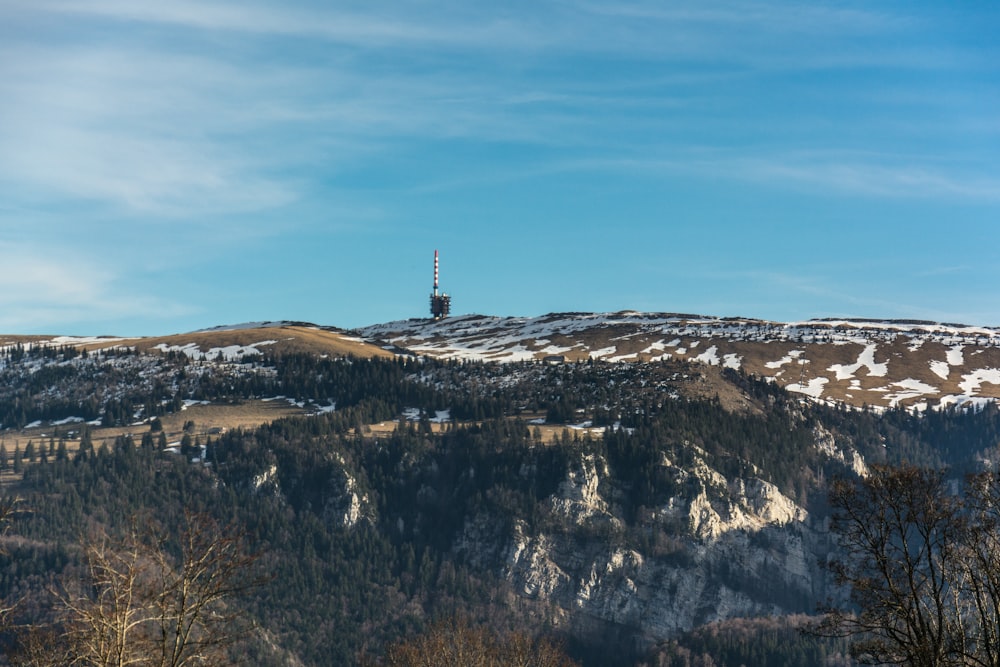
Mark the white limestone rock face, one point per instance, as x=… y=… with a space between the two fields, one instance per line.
x=266 y=481
x=827 y=444
x=722 y=505
x=530 y=566
x=350 y=506
x=748 y=550
x=578 y=498
x=344 y=505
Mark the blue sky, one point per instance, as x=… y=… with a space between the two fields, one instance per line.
x=167 y=166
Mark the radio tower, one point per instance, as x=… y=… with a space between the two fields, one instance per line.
x=440 y=303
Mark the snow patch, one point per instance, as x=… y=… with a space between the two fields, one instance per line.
x=813 y=388
x=440 y=416
x=709 y=356
x=972 y=381
x=84 y=340
x=962 y=401
x=229 y=353
x=909 y=388
x=733 y=361
x=787 y=359
x=246 y=325
x=867 y=360
x=941 y=369
x=658 y=346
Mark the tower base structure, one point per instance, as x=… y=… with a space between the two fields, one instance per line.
x=440 y=306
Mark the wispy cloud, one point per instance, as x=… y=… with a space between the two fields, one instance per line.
x=183 y=132
x=404 y=24
x=144 y=134
x=740 y=33
x=47 y=287
x=895 y=180
x=829 y=172
x=167 y=133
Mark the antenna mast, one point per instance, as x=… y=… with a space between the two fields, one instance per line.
x=435 y=273
x=440 y=303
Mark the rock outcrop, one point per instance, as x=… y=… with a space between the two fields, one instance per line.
x=744 y=549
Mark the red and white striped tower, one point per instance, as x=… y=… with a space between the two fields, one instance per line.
x=440 y=303
x=435 y=272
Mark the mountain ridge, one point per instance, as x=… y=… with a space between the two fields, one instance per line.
x=860 y=362
x=878 y=363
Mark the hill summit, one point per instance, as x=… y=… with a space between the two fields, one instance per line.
x=884 y=364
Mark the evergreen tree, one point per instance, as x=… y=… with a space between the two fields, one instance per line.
x=85 y=438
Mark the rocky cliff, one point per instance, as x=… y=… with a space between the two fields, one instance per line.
x=720 y=548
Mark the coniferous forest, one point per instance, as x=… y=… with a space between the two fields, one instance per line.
x=356 y=541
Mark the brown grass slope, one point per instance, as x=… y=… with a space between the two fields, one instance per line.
x=296 y=338
x=288 y=338
x=881 y=364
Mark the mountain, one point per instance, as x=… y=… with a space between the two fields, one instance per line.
x=881 y=364
x=655 y=480
x=857 y=362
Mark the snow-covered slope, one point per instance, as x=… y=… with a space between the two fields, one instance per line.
x=860 y=362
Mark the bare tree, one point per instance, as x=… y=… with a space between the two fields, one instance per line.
x=897 y=530
x=106 y=617
x=978 y=565
x=136 y=604
x=920 y=557
x=194 y=622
